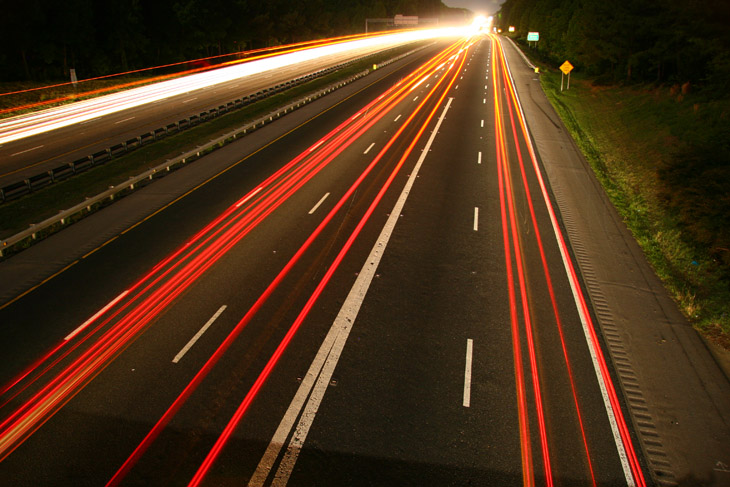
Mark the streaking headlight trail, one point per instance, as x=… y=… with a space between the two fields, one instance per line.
x=47 y=120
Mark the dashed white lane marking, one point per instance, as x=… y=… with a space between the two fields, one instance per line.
x=416 y=98
x=314 y=385
x=314 y=147
x=125 y=120
x=24 y=151
x=479 y=158
x=482 y=123
x=467 y=373
x=190 y=99
x=476 y=218
x=314 y=208
x=198 y=335
x=245 y=199
x=93 y=318
x=397 y=118
x=369 y=147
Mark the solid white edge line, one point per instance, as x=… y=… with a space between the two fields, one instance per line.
x=467 y=373
x=324 y=363
x=314 y=208
x=620 y=447
x=369 y=147
x=96 y=315
x=198 y=335
x=476 y=219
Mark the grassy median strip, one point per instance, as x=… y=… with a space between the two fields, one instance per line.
x=17 y=215
x=642 y=143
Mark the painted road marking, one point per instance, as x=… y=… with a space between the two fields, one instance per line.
x=24 y=151
x=485 y=101
x=96 y=316
x=190 y=99
x=316 y=145
x=319 y=203
x=125 y=120
x=246 y=198
x=482 y=123
x=476 y=219
x=467 y=373
x=317 y=379
x=479 y=158
x=580 y=305
x=397 y=118
x=369 y=147
x=198 y=335
x=416 y=98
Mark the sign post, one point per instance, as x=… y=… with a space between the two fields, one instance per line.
x=533 y=36
x=566 y=68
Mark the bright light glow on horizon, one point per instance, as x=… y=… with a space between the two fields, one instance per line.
x=19 y=127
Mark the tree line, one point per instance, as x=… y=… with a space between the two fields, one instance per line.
x=662 y=41
x=42 y=39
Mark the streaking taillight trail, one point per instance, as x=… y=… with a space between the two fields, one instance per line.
x=108 y=332
x=624 y=444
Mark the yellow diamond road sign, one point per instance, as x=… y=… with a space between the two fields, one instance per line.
x=566 y=67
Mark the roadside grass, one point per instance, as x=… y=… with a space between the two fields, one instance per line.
x=634 y=138
x=35 y=207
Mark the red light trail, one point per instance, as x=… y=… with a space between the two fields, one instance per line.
x=507 y=197
x=130 y=314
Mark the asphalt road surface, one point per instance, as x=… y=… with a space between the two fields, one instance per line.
x=385 y=297
x=29 y=156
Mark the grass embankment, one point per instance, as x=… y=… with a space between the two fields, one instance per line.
x=17 y=215
x=661 y=156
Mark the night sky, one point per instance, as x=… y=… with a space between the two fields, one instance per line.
x=476 y=6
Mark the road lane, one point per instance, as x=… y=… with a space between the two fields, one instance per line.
x=464 y=265
x=29 y=156
x=370 y=189
x=408 y=434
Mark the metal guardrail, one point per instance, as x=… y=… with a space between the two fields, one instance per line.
x=28 y=185
x=71 y=215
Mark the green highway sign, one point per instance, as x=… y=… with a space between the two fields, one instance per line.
x=533 y=36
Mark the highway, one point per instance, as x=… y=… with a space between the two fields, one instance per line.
x=384 y=297
x=37 y=142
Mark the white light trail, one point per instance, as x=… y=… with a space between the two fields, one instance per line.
x=23 y=126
